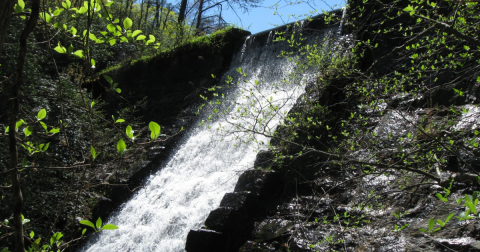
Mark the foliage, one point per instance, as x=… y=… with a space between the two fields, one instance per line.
x=375 y=111
x=58 y=122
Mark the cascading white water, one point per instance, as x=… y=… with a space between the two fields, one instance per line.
x=179 y=196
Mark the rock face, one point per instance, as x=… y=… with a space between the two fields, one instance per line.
x=172 y=82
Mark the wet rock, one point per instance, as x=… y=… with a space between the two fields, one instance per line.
x=271 y=229
x=458 y=244
x=204 y=241
x=225 y=220
x=264 y=159
x=259 y=182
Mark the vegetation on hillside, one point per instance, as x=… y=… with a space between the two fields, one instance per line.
x=408 y=114
x=60 y=151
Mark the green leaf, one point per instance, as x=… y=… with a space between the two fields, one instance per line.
x=87 y=223
x=92 y=151
x=46 y=147
x=155 y=130
x=449 y=217
x=7 y=129
x=141 y=37
x=409 y=9
x=41 y=114
x=151 y=38
x=79 y=53
x=112 y=41
x=60 y=26
x=93 y=63
x=121 y=146
x=441 y=223
x=73 y=31
x=108 y=78
x=17 y=8
x=44 y=126
x=431 y=223
x=92 y=36
x=56 y=237
x=441 y=197
x=111 y=28
x=127 y=23
x=135 y=33
x=119 y=121
x=25 y=221
x=70 y=49
x=423 y=230
x=57 y=12
x=24 y=162
x=54 y=130
x=84 y=231
x=18 y=124
x=99 y=222
x=118 y=90
x=109 y=227
x=471 y=207
x=21 y=4
x=45 y=16
x=32 y=234
x=60 y=49
x=28 y=130
x=129 y=131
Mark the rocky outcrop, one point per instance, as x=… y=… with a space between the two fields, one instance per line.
x=307 y=205
x=171 y=82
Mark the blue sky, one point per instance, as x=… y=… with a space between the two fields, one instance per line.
x=263 y=18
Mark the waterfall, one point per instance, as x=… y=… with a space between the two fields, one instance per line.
x=180 y=195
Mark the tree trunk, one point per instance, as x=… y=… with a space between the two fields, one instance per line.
x=6 y=9
x=141 y=16
x=126 y=9
x=166 y=16
x=181 y=14
x=14 y=176
x=146 y=14
x=199 y=17
x=155 y=20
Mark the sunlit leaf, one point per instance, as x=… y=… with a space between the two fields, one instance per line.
x=135 y=33
x=92 y=151
x=98 y=224
x=121 y=146
x=87 y=223
x=45 y=16
x=79 y=53
x=111 y=28
x=155 y=130
x=28 y=130
x=109 y=227
x=60 y=49
x=54 y=130
x=127 y=23
x=41 y=114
